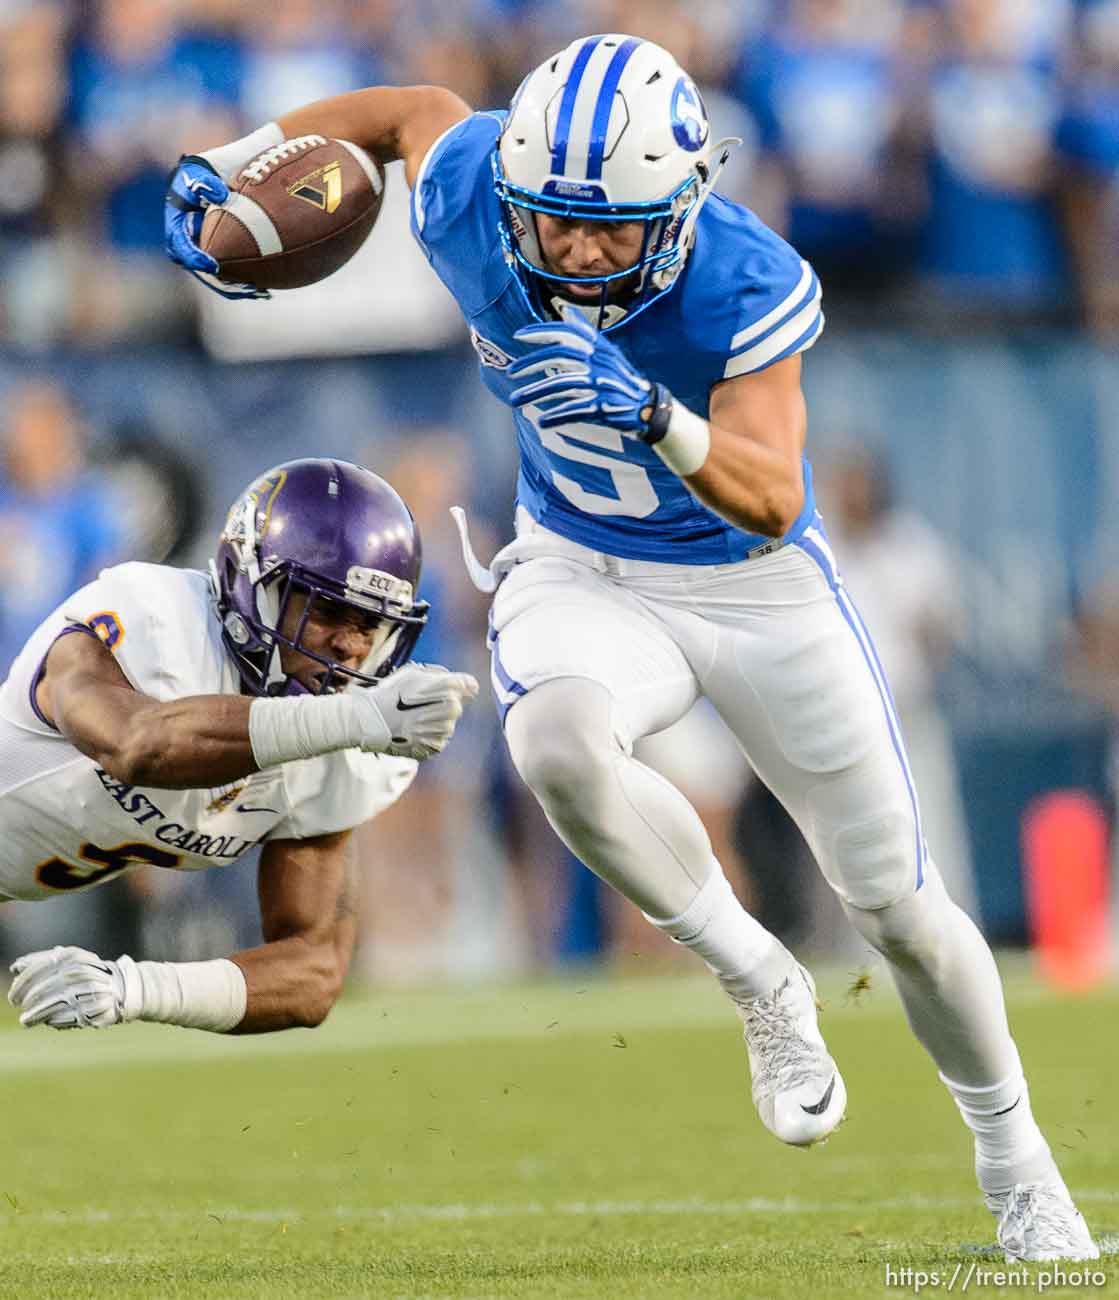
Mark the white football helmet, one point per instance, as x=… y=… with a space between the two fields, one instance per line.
x=609 y=129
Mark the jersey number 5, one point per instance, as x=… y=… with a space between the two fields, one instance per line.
x=56 y=873
x=636 y=497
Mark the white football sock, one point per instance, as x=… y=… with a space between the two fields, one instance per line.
x=747 y=959
x=950 y=987
x=1009 y=1147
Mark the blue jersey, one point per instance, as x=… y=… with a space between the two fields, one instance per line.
x=744 y=301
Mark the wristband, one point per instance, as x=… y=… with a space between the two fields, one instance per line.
x=282 y=730
x=680 y=438
x=227 y=159
x=659 y=414
x=195 y=994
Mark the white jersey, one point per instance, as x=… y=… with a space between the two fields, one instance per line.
x=66 y=824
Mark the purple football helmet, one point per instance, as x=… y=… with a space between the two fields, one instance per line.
x=331 y=532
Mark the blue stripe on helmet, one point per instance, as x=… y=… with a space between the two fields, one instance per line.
x=567 y=104
x=601 y=122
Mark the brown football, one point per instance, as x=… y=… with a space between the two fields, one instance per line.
x=295 y=213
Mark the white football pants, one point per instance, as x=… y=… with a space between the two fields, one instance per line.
x=591 y=652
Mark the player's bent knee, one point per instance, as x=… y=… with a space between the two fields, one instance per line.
x=910 y=933
x=874 y=863
x=560 y=738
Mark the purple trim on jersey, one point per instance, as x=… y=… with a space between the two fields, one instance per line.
x=40 y=672
x=601 y=123
x=866 y=645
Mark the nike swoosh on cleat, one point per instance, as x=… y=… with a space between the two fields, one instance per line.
x=404 y=705
x=822 y=1104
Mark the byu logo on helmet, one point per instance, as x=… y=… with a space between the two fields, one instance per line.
x=689 y=121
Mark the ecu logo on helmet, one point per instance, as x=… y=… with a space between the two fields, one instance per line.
x=322 y=187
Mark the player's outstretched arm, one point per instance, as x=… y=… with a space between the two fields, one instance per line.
x=308 y=902
x=202 y=741
x=390 y=122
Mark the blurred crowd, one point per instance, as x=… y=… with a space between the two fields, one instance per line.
x=947 y=165
x=936 y=158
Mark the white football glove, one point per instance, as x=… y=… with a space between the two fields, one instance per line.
x=71 y=988
x=413 y=712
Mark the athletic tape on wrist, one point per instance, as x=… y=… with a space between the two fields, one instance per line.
x=283 y=730
x=195 y=994
x=685 y=445
x=227 y=159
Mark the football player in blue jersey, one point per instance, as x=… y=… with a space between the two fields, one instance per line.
x=647 y=335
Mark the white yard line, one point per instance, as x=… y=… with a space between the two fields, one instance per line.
x=461 y=1212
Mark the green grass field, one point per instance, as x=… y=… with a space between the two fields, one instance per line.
x=591 y=1138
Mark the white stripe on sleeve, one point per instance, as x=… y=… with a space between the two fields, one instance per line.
x=805 y=325
x=759 y=327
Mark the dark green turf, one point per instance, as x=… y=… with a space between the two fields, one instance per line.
x=587 y=1139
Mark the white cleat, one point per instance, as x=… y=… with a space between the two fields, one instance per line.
x=799 y=1093
x=1038 y=1221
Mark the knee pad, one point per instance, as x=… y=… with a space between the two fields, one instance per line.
x=561 y=738
x=874 y=863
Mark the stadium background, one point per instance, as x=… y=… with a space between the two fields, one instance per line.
x=951 y=167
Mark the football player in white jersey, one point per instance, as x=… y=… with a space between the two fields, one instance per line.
x=647 y=334
x=177 y=719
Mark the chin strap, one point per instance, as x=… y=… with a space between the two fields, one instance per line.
x=600 y=317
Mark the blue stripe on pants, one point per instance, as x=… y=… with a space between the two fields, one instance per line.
x=504 y=683
x=866 y=645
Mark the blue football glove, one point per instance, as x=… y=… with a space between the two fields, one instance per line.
x=586 y=378
x=193 y=186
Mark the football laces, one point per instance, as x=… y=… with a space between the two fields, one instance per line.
x=261 y=166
